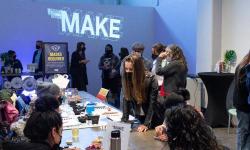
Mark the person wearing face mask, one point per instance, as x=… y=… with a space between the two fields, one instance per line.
x=140 y=91
x=38 y=57
x=78 y=69
x=173 y=90
x=109 y=64
x=44 y=130
x=14 y=63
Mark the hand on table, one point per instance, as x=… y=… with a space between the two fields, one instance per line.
x=142 y=128
x=163 y=137
x=160 y=130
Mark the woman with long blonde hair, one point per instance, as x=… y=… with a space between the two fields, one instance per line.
x=140 y=90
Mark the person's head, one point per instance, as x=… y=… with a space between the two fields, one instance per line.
x=133 y=78
x=175 y=53
x=47 y=88
x=39 y=45
x=187 y=129
x=108 y=50
x=12 y=54
x=123 y=53
x=80 y=47
x=46 y=103
x=44 y=126
x=157 y=49
x=138 y=48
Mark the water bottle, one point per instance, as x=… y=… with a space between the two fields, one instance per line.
x=115 y=142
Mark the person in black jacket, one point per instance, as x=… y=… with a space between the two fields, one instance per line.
x=242 y=103
x=173 y=91
x=140 y=90
x=109 y=64
x=78 y=68
x=38 y=56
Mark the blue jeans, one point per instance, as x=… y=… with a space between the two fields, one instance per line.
x=243 y=131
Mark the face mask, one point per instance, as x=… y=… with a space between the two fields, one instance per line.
x=84 y=48
x=38 y=47
x=128 y=76
x=153 y=56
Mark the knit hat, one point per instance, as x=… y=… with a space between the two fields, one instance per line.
x=44 y=88
x=5 y=94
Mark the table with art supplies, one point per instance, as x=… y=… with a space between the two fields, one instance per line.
x=87 y=122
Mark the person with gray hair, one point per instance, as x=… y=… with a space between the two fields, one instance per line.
x=138 y=49
x=44 y=88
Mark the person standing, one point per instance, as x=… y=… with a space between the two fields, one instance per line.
x=78 y=69
x=173 y=89
x=109 y=64
x=38 y=56
x=241 y=101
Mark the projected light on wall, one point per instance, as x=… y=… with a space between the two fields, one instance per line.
x=76 y=23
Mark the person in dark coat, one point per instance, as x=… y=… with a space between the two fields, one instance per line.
x=241 y=101
x=78 y=69
x=38 y=56
x=173 y=90
x=140 y=90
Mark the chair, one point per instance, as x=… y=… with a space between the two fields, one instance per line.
x=231 y=112
x=229 y=104
x=102 y=94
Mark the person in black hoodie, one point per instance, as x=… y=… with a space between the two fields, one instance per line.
x=78 y=68
x=241 y=101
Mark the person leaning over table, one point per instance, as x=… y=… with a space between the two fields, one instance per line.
x=140 y=90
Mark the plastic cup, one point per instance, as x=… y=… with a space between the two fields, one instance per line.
x=90 y=108
x=75 y=132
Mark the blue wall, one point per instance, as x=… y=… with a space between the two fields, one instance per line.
x=167 y=21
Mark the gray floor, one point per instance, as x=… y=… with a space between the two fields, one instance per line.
x=228 y=140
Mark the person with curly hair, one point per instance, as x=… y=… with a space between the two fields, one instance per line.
x=186 y=129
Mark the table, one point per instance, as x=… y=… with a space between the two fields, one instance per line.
x=87 y=135
x=217 y=85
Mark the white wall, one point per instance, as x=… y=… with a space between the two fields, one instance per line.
x=236 y=27
x=208 y=35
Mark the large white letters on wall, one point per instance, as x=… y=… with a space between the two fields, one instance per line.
x=88 y=24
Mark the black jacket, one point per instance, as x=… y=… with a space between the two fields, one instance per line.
x=175 y=75
x=240 y=91
x=40 y=64
x=151 y=87
x=26 y=146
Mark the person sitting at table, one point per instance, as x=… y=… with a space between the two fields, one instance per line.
x=44 y=130
x=140 y=90
x=173 y=90
x=187 y=129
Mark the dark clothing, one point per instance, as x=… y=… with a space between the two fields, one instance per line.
x=240 y=91
x=40 y=64
x=175 y=75
x=131 y=107
x=27 y=146
x=78 y=71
